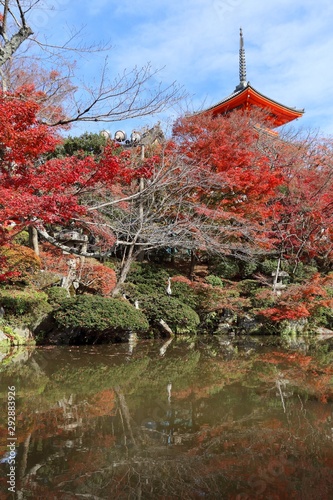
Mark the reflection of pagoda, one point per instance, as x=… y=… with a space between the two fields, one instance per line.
x=246 y=97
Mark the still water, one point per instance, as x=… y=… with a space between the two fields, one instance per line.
x=190 y=418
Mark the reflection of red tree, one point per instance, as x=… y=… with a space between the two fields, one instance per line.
x=322 y=384
x=53 y=421
x=103 y=403
x=272 y=423
x=197 y=392
x=82 y=466
x=301 y=369
x=277 y=357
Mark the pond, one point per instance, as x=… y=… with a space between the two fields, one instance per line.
x=180 y=419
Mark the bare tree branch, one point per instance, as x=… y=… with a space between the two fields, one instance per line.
x=130 y=95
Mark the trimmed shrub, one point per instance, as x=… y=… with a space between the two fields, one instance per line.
x=323 y=316
x=24 y=307
x=249 y=287
x=148 y=278
x=45 y=279
x=182 y=289
x=180 y=317
x=56 y=295
x=92 y=313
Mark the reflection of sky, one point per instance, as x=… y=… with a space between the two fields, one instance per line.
x=288 y=47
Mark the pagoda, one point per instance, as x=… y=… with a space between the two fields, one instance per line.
x=246 y=97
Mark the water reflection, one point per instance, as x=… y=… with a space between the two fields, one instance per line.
x=195 y=418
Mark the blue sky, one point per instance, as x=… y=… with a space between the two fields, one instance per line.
x=288 y=47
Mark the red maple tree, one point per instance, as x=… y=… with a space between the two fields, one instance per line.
x=303 y=215
x=35 y=190
x=301 y=300
x=235 y=181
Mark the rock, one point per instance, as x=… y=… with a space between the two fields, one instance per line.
x=324 y=333
x=293 y=327
x=16 y=336
x=4 y=339
x=24 y=335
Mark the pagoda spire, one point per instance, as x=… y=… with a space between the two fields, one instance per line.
x=247 y=98
x=242 y=64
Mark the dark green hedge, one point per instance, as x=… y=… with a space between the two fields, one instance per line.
x=24 y=307
x=181 y=318
x=99 y=314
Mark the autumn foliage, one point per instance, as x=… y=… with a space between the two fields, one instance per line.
x=36 y=190
x=235 y=173
x=17 y=263
x=303 y=213
x=302 y=301
x=97 y=278
x=92 y=276
x=223 y=186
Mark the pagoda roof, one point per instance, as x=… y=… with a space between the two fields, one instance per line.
x=249 y=97
x=246 y=97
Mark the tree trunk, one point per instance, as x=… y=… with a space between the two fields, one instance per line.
x=12 y=45
x=192 y=264
x=33 y=239
x=124 y=271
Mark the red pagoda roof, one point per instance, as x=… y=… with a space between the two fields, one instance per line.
x=247 y=97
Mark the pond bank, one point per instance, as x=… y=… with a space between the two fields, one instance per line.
x=158 y=302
